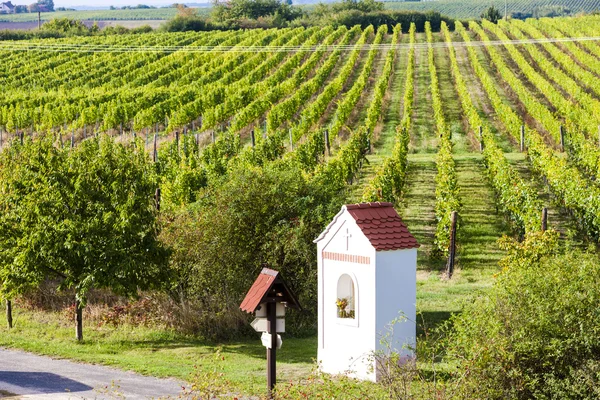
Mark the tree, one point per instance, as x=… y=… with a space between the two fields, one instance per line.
x=491 y=14
x=46 y=5
x=85 y=216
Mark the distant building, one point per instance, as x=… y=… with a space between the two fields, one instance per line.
x=7 y=8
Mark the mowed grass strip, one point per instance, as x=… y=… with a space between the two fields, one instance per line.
x=158 y=351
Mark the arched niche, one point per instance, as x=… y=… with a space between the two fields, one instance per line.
x=346 y=301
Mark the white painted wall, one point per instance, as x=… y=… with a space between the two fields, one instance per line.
x=383 y=288
x=396 y=292
x=345 y=344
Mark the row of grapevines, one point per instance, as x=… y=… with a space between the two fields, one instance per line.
x=389 y=179
x=588 y=108
x=583 y=151
x=286 y=109
x=573 y=191
x=262 y=96
x=583 y=76
x=447 y=197
x=351 y=97
x=586 y=59
x=309 y=152
x=311 y=114
x=341 y=168
x=514 y=197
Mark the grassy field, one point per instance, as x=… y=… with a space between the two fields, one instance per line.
x=101 y=15
x=461 y=9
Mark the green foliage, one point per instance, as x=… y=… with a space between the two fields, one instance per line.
x=83 y=216
x=491 y=14
x=253 y=9
x=535 y=333
x=248 y=219
x=66 y=25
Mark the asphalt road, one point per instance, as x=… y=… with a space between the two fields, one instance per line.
x=28 y=376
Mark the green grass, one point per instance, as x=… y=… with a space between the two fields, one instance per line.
x=158 y=352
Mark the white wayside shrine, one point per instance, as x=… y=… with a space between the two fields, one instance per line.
x=367 y=262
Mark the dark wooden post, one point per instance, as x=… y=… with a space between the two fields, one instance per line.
x=157 y=199
x=291 y=141
x=177 y=141
x=544 y=219
x=252 y=138
x=22 y=137
x=326 y=139
x=522 y=138
x=272 y=351
x=39 y=20
x=452 y=247
x=481 y=139
x=213 y=135
x=79 y=318
x=562 y=138
x=0 y=137
x=9 y=318
x=84 y=128
x=155 y=151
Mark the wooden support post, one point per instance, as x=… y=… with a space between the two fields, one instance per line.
x=252 y=138
x=481 y=139
x=157 y=199
x=522 y=138
x=562 y=138
x=291 y=141
x=121 y=129
x=9 y=318
x=155 y=151
x=177 y=141
x=22 y=137
x=73 y=138
x=79 y=319
x=197 y=136
x=544 y=219
x=84 y=126
x=213 y=136
x=0 y=137
x=39 y=20
x=326 y=139
x=272 y=351
x=452 y=247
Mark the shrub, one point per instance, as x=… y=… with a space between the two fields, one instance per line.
x=249 y=219
x=536 y=333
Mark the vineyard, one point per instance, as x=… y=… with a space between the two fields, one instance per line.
x=499 y=124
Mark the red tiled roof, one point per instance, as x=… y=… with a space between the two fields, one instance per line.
x=268 y=286
x=382 y=225
x=259 y=289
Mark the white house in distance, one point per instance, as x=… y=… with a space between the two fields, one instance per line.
x=7 y=8
x=367 y=262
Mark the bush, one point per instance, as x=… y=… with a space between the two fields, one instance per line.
x=249 y=219
x=536 y=333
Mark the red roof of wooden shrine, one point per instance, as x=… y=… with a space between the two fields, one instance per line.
x=261 y=289
x=381 y=224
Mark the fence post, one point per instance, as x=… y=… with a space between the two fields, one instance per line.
x=177 y=141
x=326 y=139
x=562 y=138
x=157 y=199
x=522 y=138
x=291 y=141
x=452 y=248
x=481 y=139
x=154 y=153
x=544 y=219
x=9 y=318
x=252 y=138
